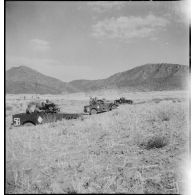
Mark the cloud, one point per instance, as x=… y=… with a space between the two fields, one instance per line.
x=40 y=45
x=181 y=10
x=103 y=6
x=128 y=27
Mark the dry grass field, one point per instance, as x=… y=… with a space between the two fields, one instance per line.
x=139 y=148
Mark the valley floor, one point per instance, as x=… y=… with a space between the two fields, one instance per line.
x=139 y=148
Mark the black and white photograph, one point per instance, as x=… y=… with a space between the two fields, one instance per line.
x=97 y=97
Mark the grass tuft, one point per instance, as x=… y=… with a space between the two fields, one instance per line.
x=154 y=142
x=164 y=116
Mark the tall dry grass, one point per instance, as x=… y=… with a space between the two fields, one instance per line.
x=134 y=149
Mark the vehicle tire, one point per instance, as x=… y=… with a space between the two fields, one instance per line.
x=28 y=124
x=93 y=111
x=113 y=107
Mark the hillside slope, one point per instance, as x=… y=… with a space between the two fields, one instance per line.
x=26 y=80
x=149 y=77
x=146 y=77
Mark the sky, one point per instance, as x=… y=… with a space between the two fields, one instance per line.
x=94 y=40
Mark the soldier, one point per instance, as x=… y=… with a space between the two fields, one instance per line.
x=30 y=108
x=33 y=107
x=43 y=104
x=49 y=106
x=90 y=100
x=48 y=102
x=38 y=107
x=94 y=100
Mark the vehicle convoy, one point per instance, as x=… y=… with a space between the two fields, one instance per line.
x=41 y=113
x=122 y=100
x=99 y=105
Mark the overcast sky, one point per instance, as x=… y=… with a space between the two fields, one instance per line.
x=93 y=40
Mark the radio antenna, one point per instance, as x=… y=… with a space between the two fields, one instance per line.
x=36 y=84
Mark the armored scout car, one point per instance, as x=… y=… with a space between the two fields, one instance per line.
x=99 y=105
x=122 y=100
x=39 y=114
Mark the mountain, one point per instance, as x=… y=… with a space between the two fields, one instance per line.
x=26 y=80
x=147 y=77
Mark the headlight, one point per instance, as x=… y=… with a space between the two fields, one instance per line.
x=98 y=106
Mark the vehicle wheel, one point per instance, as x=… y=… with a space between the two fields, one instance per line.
x=28 y=124
x=113 y=107
x=93 y=111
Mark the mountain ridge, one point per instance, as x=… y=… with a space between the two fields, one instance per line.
x=147 y=77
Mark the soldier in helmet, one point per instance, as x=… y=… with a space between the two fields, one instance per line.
x=48 y=102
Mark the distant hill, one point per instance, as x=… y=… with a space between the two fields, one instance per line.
x=149 y=77
x=26 y=80
x=145 y=78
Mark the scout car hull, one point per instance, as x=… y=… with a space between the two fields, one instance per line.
x=37 y=118
x=123 y=101
x=99 y=107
